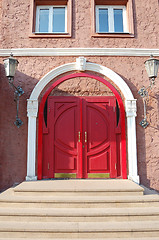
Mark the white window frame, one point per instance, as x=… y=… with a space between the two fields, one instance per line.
x=111 y=18
x=50 y=27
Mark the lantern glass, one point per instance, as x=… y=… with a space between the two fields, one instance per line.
x=151 y=66
x=10 y=65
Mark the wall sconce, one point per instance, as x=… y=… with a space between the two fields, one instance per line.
x=10 y=65
x=151 y=66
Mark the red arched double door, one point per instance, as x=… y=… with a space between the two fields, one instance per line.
x=81 y=137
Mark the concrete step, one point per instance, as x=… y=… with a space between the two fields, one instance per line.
x=79 y=214
x=79 y=229
x=79 y=187
x=79 y=209
x=79 y=202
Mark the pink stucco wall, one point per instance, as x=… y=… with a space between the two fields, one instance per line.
x=15 y=34
x=16 y=27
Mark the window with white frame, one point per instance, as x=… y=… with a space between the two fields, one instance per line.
x=51 y=19
x=111 y=19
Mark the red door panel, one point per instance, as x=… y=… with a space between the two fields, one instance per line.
x=63 y=124
x=64 y=162
x=99 y=126
x=99 y=162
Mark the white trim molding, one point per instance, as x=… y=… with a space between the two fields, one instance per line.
x=130 y=108
x=32 y=52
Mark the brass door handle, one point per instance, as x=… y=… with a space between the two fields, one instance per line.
x=79 y=136
x=85 y=137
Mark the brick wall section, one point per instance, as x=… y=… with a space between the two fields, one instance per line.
x=15 y=28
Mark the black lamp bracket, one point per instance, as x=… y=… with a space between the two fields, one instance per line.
x=17 y=93
x=143 y=91
x=144 y=94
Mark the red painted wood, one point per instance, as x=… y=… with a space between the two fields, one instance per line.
x=99 y=124
x=80 y=155
x=40 y=145
x=94 y=152
x=63 y=123
x=122 y=119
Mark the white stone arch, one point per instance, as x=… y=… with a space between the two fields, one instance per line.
x=82 y=65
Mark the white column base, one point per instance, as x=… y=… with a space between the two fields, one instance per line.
x=135 y=179
x=28 y=178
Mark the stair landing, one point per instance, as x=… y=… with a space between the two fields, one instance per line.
x=87 y=186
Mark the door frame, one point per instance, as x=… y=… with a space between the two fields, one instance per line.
x=122 y=113
x=81 y=64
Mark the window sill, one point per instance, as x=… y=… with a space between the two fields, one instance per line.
x=50 y=35
x=115 y=35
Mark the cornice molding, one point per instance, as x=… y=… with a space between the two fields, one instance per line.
x=35 y=52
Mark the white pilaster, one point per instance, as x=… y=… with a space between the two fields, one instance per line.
x=131 y=134
x=32 y=109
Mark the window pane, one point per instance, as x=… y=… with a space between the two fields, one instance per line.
x=118 y=20
x=44 y=20
x=103 y=20
x=59 y=19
